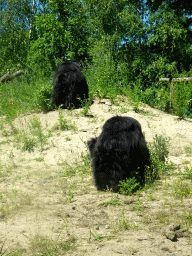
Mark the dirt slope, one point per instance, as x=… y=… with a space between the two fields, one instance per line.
x=44 y=208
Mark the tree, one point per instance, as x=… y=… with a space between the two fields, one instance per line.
x=13 y=33
x=60 y=33
x=181 y=8
x=168 y=37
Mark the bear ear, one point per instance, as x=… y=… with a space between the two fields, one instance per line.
x=91 y=143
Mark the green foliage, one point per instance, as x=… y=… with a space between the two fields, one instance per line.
x=101 y=75
x=18 y=98
x=13 y=35
x=43 y=245
x=182 y=93
x=168 y=35
x=43 y=95
x=25 y=97
x=64 y=124
x=158 y=154
x=129 y=51
x=60 y=33
x=188 y=173
x=86 y=104
x=122 y=223
x=158 y=97
x=129 y=186
x=114 y=201
x=182 y=189
x=159 y=148
x=28 y=143
x=157 y=68
x=37 y=130
x=38 y=63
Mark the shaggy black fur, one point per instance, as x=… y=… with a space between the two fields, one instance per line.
x=118 y=151
x=70 y=86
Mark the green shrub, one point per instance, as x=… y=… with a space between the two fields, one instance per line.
x=43 y=100
x=128 y=186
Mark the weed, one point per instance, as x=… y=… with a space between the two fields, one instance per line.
x=114 y=201
x=136 y=106
x=151 y=197
x=43 y=94
x=128 y=186
x=45 y=246
x=63 y=124
x=32 y=140
x=123 y=109
x=100 y=238
x=159 y=148
x=158 y=154
x=67 y=138
x=4 y=142
x=122 y=223
x=7 y=127
x=147 y=220
x=68 y=171
x=39 y=159
x=70 y=196
x=188 y=173
x=163 y=216
x=85 y=104
x=182 y=189
x=28 y=143
x=3 y=212
x=37 y=130
x=138 y=207
x=71 y=188
x=188 y=150
x=86 y=159
x=188 y=220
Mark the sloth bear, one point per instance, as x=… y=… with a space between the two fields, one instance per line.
x=118 y=152
x=70 y=86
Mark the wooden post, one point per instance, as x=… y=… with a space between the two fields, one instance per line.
x=172 y=91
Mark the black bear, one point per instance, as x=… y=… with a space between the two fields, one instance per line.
x=70 y=85
x=118 y=151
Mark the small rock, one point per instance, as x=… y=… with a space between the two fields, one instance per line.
x=171 y=235
x=174 y=227
x=173 y=232
x=97 y=228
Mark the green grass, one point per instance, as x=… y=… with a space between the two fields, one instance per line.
x=63 y=124
x=129 y=186
x=45 y=246
x=123 y=223
x=182 y=189
x=25 y=97
x=187 y=173
x=113 y=201
x=28 y=140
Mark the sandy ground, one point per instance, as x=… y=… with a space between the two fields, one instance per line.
x=38 y=199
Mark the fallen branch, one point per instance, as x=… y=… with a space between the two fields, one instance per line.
x=8 y=77
x=176 y=79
